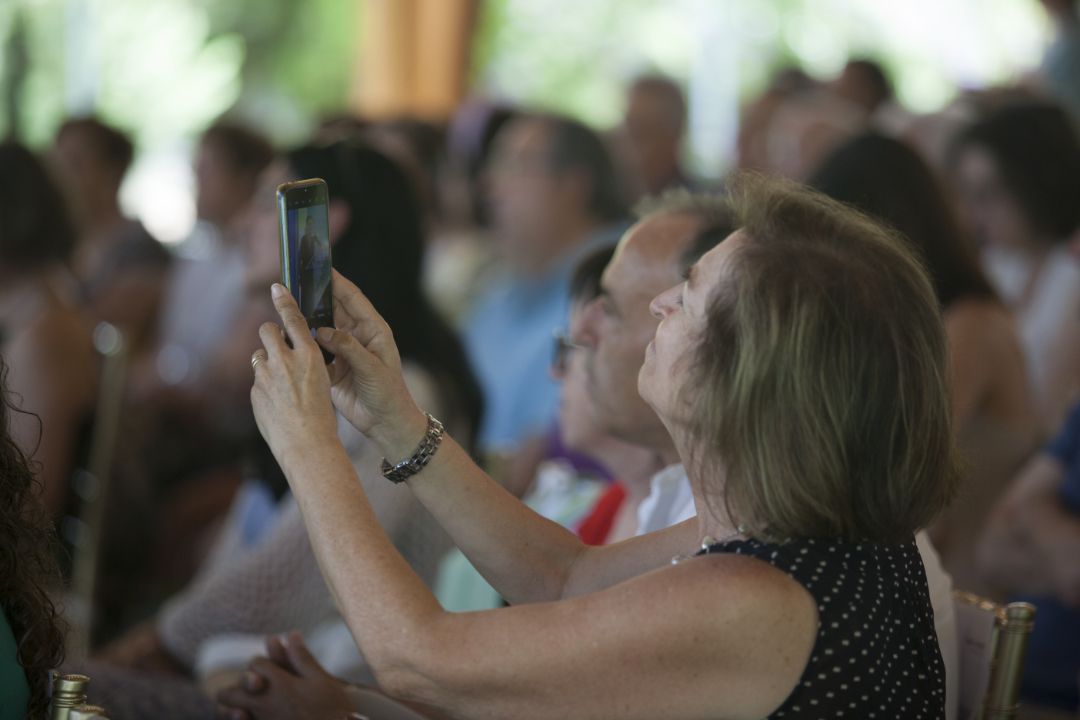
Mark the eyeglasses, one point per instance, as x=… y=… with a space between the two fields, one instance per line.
x=561 y=350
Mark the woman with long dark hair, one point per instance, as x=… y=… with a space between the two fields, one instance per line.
x=1015 y=173
x=31 y=634
x=993 y=408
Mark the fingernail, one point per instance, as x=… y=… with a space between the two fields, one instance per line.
x=277 y=290
x=325 y=334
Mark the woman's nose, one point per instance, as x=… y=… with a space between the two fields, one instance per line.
x=663 y=304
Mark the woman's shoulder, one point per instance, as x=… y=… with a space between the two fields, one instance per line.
x=982 y=323
x=976 y=309
x=748 y=578
x=747 y=603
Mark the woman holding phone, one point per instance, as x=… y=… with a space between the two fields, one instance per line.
x=800 y=371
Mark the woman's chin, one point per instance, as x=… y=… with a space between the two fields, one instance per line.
x=645 y=379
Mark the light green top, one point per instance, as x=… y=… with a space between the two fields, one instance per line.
x=14 y=692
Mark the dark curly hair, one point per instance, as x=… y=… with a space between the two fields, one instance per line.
x=28 y=567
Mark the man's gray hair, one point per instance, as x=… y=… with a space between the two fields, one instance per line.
x=717 y=220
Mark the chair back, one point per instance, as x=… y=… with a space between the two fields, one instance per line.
x=92 y=487
x=993 y=644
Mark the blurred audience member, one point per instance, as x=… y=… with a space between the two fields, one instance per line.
x=186 y=427
x=1030 y=551
x=796 y=122
x=554 y=195
x=1016 y=175
x=994 y=414
x=419 y=148
x=863 y=84
x=31 y=633
x=577 y=495
x=654 y=125
x=120 y=265
x=752 y=144
x=43 y=335
x=206 y=287
x=262 y=578
x=470 y=143
x=613 y=517
x=460 y=260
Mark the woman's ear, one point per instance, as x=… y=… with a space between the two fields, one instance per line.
x=339 y=217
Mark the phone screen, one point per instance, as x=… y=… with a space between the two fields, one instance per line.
x=305 y=246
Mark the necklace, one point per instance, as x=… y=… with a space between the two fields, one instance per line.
x=708 y=541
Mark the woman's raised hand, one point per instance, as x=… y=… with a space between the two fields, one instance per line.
x=292 y=387
x=367 y=386
x=291 y=394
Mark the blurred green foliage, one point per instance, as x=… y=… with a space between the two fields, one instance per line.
x=574 y=55
x=164 y=69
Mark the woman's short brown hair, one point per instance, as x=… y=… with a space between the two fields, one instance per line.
x=821 y=389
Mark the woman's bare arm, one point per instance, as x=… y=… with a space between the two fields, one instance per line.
x=524 y=556
x=717 y=636
x=53 y=380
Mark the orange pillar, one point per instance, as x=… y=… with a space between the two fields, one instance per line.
x=414 y=57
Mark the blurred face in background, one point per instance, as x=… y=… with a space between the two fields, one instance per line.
x=988 y=210
x=84 y=172
x=618 y=325
x=525 y=194
x=222 y=192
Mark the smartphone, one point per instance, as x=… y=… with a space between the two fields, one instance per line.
x=304 y=232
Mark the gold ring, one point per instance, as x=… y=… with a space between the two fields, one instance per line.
x=257 y=357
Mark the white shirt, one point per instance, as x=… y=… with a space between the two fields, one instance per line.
x=1044 y=294
x=671 y=501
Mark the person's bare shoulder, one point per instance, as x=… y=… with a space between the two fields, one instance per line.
x=766 y=619
x=982 y=323
x=60 y=342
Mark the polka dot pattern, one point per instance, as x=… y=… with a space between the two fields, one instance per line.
x=876 y=653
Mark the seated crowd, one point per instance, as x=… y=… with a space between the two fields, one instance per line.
x=727 y=454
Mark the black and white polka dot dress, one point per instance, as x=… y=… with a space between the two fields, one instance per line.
x=876 y=653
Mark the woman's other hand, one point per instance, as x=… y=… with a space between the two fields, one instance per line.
x=290 y=683
x=367 y=384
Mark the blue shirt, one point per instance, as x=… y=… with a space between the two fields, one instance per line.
x=1053 y=661
x=508 y=338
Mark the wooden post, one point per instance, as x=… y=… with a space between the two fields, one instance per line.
x=414 y=57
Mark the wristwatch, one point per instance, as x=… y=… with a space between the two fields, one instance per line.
x=416 y=462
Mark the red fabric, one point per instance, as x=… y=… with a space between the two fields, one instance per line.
x=596 y=526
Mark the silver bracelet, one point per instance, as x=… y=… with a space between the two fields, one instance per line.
x=416 y=462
